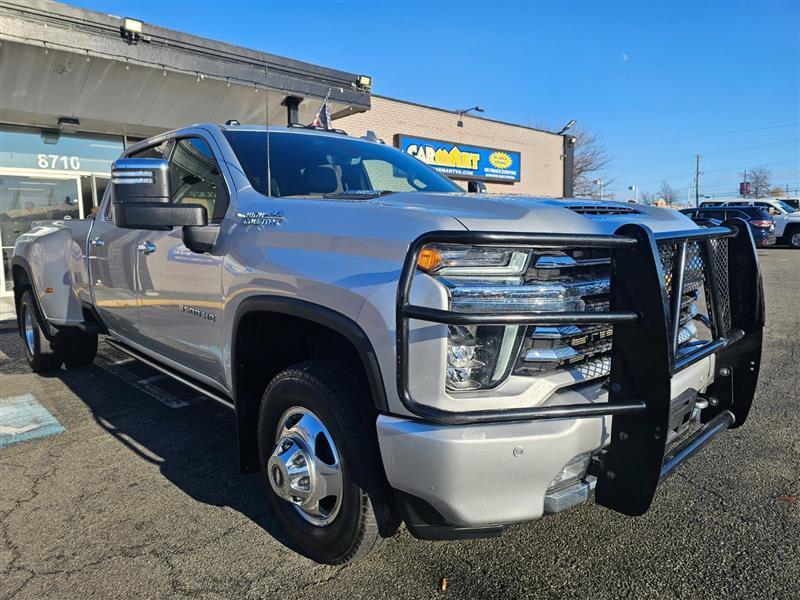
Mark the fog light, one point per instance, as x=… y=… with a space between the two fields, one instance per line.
x=574 y=471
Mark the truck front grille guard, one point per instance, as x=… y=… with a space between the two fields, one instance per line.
x=645 y=309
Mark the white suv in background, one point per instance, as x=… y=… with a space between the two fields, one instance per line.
x=786 y=216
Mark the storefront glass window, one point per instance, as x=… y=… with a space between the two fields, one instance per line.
x=50 y=150
x=47 y=176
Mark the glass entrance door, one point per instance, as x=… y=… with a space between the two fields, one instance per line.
x=28 y=198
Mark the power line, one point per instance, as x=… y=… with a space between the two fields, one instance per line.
x=683 y=177
x=714 y=153
x=702 y=135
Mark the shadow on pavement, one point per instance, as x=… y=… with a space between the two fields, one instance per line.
x=194 y=447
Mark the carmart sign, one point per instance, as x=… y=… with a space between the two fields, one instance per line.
x=461 y=160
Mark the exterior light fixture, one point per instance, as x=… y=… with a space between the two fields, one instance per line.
x=50 y=136
x=567 y=127
x=364 y=81
x=68 y=125
x=131 y=30
x=461 y=113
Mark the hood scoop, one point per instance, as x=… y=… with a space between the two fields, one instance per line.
x=598 y=209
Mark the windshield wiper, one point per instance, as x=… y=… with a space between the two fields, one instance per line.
x=357 y=194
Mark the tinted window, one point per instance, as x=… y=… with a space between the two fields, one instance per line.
x=195 y=177
x=314 y=165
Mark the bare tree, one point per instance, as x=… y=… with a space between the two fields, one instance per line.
x=646 y=197
x=668 y=193
x=777 y=192
x=759 y=181
x=591 y=159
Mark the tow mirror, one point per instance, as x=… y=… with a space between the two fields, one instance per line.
x=141 y=193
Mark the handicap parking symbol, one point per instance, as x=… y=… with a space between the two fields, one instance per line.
x=23 y=418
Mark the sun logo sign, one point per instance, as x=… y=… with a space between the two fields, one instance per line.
x=500 y=160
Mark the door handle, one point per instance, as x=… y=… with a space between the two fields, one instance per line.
x=146 y=247
x=97 y=242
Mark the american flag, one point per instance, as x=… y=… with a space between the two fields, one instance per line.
x=323 y=116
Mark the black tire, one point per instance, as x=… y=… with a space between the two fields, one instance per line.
x=331 y=391
x=80 y=348
x=793 y=238
x=42 y=354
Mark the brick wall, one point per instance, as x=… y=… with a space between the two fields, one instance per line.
x=542 y=163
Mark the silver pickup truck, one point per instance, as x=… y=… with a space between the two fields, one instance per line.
x=394 y=348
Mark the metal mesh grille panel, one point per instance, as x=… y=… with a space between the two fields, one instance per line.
x=719 y=271
x=593 y=358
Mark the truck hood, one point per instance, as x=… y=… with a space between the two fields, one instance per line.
x=486 y=212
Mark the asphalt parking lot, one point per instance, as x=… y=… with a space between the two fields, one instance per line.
x=141 y=496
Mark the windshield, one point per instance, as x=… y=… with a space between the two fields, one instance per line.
x=786 y=206
x=331 y=166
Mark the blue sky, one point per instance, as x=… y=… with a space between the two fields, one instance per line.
x=660 y=82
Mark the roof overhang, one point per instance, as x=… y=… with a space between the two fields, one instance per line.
x=62 y=61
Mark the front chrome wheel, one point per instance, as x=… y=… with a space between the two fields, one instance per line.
x=794 y=241
x=304 y=467
x=29 y=333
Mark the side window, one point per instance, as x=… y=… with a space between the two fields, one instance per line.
x=196 y=178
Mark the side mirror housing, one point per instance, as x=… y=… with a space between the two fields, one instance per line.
x=141 y=193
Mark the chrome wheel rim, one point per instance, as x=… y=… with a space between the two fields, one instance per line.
x=795 y=240
x=29 y=331
x=304 y=468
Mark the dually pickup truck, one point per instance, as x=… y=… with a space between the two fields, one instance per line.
x=395 y=349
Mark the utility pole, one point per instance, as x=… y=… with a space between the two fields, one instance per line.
x=697 y=183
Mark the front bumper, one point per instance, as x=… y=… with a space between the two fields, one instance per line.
x=481 y=468
x=493 y=474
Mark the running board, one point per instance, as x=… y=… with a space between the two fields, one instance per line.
x=172 y=373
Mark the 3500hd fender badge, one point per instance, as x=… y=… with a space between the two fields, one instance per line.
x=272 y=217
x=196 y=312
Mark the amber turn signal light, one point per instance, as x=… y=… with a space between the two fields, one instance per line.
x=429 y=259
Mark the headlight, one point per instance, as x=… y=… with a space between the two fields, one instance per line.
x=496 y=279
x=470 y=261
x=491 y=279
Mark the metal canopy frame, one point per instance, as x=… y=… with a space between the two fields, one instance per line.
x=644 y=355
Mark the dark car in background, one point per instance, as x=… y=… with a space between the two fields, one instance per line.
x=761 y=223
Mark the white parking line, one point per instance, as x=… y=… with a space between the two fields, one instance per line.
x=3 y=356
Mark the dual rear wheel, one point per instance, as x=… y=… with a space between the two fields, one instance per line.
x=47 y=352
